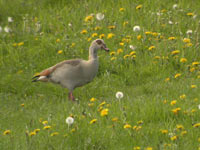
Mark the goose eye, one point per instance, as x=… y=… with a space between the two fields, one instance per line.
x=99 y=42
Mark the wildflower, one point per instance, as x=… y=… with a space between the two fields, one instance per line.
x=121 y=44
x=193 y=110
x=177 y=75
x=190 y=14
x=112 y=53
x=188 y=44
x=173 y=138
x=119 y=95
x=151 y=47
x=93 y=99
x=84 y=31
x=140 y=122
x=10 y=19
x=199 y=106
x=104 y=112
x=132 y=53
x=172 y=38
x=22 y=105
x=119 y=51
x=88 y=18
x=136 y=148
x=44 y=122
x=148 y=32
x=60 y=51
x=175 y=52
x=36 y=130
x=126 y=56
x=173 y=102
x=164 y=131
x=94 y=34
x=195 y=63
x=113 y=58
x=183 y=133
x=73 y=44
x=121 y=9
x=111 y=27
x=139 y=37
x=93 y=121
x=69 y=120
x=103 y=103
x=183 y=96
x=167 y=79
x=6 y=132
x=179 y=126
x=193 y=86
x=157 y=57
x=126 y=126
x=170 y=22
x=196 y=125
x=138 y=128
x=186 y=40
x=73 y=130
x=132 y=47
x=54 y=133
x=47 y=127
x=101 y=36
x=136 y=28
x=149 y=148
x=100 y=16
x=174 y=6
x=189 y=32
x=110 y=35
x=125 y=23
x=57 y=40
x=32 y=133
x=138 y=7
x=183 y=60
x=7 y=29
x=115 y=119
x=176 y=110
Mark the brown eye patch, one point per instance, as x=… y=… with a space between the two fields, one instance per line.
x=99 y=42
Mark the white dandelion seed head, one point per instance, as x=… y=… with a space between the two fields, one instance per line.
x=100 y=16
x=136 y=28
x=70 y=120
x=175 y=6
x=194 y=17
x=189 y=32
x=7 y=29
x=10 y=19
x=170 y=22
x=199 y=106
x=119 y=95
x=132 y=47
x=1 y=29
x=69 y=24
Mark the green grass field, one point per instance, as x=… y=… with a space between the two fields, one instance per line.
x=157 y=68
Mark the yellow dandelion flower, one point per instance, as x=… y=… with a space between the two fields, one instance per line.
x=14 y=44
x=188 y=44
x=90 y=104
x=157 y=57
x=190 y=14
x=183 y=133
x=89 y=39
x=172 y=38
x=73 y=130
x=192 y=69
x=115 y=119
x=83 y=31
x=93 y=121
x=112 y=53
x=151 y=48
x=93 y=99
x=119 y=51
x=103 y=103
x=173 y=102
x=165 y=101
x=6 y=132
x=110 y=35
x=22 y=105
x=155 y=34
x=44 y=122
x=111 y=27
x=126 y=126
x=101 y=36
x=167 y=79
x=60 y=51
x=57 y=40
x=121 y=44
x=36 y=130
x=125 y=23
x=176 y=110
x=183 y=60
x=193 y=110
x=97 y=28
x=149 y=148
x=126 y=56
x=104 y=112
x=89 y=18
x=193 y=86
x=195 y=63
x=138 y=128
x=73 y=44
x=136 y=148
x=140 y=122
x=134 y=127
x=177 y=75
x=164 y=131
x=139 y=37
x=148 y=32
x=32 y=133
x=54 y=133
x=94 y=34
x=47 y=127
x=175 y=52
x=196 y=125
x=121 y=9
x=183 y=96
x=186 y=40
x=174 y=138
x=163 y=10
x=113 y=58
x=138 y=7
x=132 y=53
x=178 y=126
x=20 y=44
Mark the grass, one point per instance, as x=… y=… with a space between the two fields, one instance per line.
x=147 y=79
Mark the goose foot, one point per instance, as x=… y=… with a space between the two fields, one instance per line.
x=71 y=97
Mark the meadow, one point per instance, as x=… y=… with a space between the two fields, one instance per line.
x=154 y=60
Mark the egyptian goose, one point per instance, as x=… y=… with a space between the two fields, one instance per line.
x=74 y=73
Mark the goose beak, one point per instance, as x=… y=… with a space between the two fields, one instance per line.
x=106 y=49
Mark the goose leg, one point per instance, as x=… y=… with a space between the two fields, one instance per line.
x=71 y=97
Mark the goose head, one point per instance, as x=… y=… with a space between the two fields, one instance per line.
x=100 y=44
